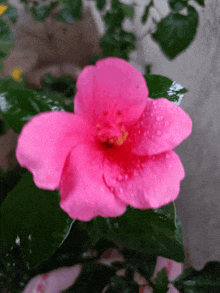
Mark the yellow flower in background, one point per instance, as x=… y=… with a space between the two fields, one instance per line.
x=16 y=73
x=3 y=8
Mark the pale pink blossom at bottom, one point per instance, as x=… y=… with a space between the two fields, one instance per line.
x=61 y=279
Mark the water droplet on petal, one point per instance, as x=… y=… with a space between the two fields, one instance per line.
x=126 y=176
x=120 y=177
x=142 y=122
x=120 y=190
x=159 y=132
x=154 y=102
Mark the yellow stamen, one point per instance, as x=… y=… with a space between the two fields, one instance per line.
x=3 y=8
x=16 y=73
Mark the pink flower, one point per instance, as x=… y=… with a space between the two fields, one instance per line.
x=114 y=151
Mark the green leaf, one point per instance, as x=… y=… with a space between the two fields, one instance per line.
x=63 y=84
x=201 y=2
x=143 y=263
x=100 y=4
x=163 y=87
x=146 y=12
x=10 y=14
x=32 y=218
x=18 y=106
x=93 y=278
x=41 y=12
x=146 y=231
x=71 y=12
x=202 y=281
x=161 y=282
x=175 y=32
x=128 y=11
x=177 y=5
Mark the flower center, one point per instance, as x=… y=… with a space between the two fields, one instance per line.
x=111 y=132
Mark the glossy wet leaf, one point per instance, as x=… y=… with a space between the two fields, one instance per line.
x=200 y=281
x=175 y=32
x=32 y=218
x=163 y=87
x=18 y=106
x=146 y=231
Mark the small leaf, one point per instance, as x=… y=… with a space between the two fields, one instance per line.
x=128 y=11
x=10 y=14
x=32 y=218
x=201 y=2
x=177 y=5
x=41 y=12
x=202 y=281
x=100 y=4
x=161 y=282
x=146 y=12
x=175 y=32
x=163 y=87
x=71 y=12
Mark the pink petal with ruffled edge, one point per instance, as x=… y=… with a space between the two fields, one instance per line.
x=144 y=182
x=84 y=194
x=162 y=126
x=46 y=140
x=112 y=85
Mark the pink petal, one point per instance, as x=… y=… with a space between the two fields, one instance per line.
x=144 y=182
x=84 y=194
x=46 y=140
x=162 y=126
x=112 y=87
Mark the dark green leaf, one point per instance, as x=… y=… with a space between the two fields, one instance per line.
x=32 y=218
x=100 y=4
x=71 y=12
x=128 y=11
x=161 y=282
x=93 y=279
x=146 y=12
x=163 y=87
x=176 y=31
x=120 y=284
x=143 y=263
x=18 y=106
x=63 y=84
x=10 y=14
x=202 y=281
x=145 y=231
x=177 y=5
x=6 y=36
x=201 y=2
